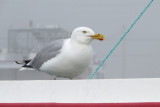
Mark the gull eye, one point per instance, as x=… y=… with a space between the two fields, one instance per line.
x=84 y=31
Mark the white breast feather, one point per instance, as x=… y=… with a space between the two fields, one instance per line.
x=72 y=61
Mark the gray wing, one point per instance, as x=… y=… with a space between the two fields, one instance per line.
x=47 y=53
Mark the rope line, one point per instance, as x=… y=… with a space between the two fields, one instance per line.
x=125 y=33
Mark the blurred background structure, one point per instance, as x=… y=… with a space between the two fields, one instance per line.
x=26 y=26
x=27 y=42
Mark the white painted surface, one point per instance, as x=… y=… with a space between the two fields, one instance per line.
x=81 y=91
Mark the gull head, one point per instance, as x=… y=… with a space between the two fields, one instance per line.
x=85 y=35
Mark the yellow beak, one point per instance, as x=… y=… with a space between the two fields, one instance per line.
x=98 y=36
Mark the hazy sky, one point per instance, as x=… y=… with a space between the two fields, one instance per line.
x=109 y=17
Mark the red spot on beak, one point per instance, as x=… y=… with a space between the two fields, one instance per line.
x=100 y=39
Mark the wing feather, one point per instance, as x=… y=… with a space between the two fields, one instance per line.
x=48 y=52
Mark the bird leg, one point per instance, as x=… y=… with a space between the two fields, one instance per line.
x=53 y=77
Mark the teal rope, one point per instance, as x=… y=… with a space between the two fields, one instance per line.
x=90 y=77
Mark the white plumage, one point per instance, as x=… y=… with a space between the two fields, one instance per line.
x=69 y=58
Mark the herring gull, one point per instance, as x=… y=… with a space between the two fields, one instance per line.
x=66 y=58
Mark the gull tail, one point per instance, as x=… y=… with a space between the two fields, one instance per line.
x=25 y=65
x=25 y=68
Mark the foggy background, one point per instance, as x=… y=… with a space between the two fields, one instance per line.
x=137 y=56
